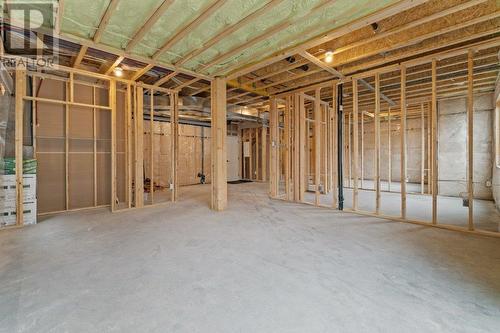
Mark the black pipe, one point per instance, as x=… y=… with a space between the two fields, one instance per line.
x=340 y=144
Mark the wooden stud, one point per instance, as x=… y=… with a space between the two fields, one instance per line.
x=296 y=147
x=355 y=143
x=429 y=148
x=377 y=144
x=362 y=171
x=264 y=154
x=470 y=138
x=139 y=149
x=389 y=144
x=257 y=154
x=274 y=144
x=94 y=136
x=303 y=139
x=349 y=148
x=317 y=144
x=19 y=135
x=422 y=149
x=128 y=145
x=403 y=141
x=434 y=142
x=66 y=144
x=286 y=147
x=335 y=170
x=112 y=104
x=218 y=151
x=174 y=122
x=151 y=146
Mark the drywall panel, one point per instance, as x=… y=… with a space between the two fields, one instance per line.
x=51 y=179
x=81 y=180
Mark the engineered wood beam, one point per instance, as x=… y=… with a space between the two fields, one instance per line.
x=187 y=83
x=228 y=31
x=322 y=65
x=265 y=35
x=184 y=31
x=80 y=56
x=105 y=20
x=165 y=79
x=330 y=35
x=115 y=64
x=151 y=21
x=141 y=72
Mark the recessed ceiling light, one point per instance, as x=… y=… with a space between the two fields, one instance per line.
x=328 y=56
x=118 y=71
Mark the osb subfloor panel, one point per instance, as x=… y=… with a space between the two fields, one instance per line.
x=261 y=266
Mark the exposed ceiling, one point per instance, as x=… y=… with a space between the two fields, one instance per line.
x=265 y=47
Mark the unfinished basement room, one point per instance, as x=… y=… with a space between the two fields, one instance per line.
x=250 y=166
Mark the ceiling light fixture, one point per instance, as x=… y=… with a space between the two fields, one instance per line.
x=328 y=56
x=118 y=71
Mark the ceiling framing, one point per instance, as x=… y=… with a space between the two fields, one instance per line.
x=251 y=45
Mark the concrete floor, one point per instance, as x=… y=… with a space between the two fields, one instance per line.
x=260 y=266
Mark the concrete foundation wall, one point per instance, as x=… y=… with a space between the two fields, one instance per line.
x=414 y=146
x=495 y=168
x=452 y=146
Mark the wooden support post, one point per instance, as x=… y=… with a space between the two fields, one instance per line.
x=434 y=142
x=303 y=139
x=264 y=154
x=257 y=154
x=429 y=148
x=355 y=112
x=403 y=142
x=470 y=138
x=94 y=128
x=66 y=144
x=35 y=116
x=335 y=147
x=274 y=158
x=152 y=146
x=317 y=144
x=250 y=167
x=349 y=148
x=296 y=147
x=362 y=171
x=19 y=126
x=389 y=146
x=174 y=141
x=139 y=148
x=219 y=156
x=128 y=146
x=324 y=148
x=377 y=143
x=112 y=104
x=422 y=150
x=286 y=147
